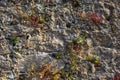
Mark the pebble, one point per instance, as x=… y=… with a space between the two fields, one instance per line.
x=89 y=42
x=107 y=12
x=18 y=55
x=10 y=75
x=52 y=16
x=85 y=71
x=2 y=58
x=93 y=68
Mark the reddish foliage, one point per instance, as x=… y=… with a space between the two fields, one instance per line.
x=32 y=22
x=117 y=76
x=94 y=17
x=33 y=17
x=38 y=26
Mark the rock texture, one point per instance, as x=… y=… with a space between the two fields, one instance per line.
x=32 y=31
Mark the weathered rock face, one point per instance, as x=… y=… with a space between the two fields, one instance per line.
x=29 y=28
x=40 y=60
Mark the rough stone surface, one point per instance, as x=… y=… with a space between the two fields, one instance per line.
x=31 y=30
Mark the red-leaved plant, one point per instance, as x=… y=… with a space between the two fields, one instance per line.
x=33 y=19
x=95 y=17
x=117 y=76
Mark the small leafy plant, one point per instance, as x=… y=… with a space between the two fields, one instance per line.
x=14 y=40
x=41 y=19
x=57 y=56
x=93 y=59
x=95 y=18
x=37 y=20
x=80 y=39
x=44 y=72
x=117 y=76
x=82 y=15
x=72 y=65
x=75 y=3
x=77 y=43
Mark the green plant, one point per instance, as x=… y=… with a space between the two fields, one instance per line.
x=44 y=72
x=80 y=39
x=72 y=65
x=14 y=40
x=73 y=61
x=57 y=56
x=41 y=19
x=77 y=44
x=93 y=59
x=56 y=77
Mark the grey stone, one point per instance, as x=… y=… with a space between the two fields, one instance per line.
x=39 y=60
x=54 y=34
